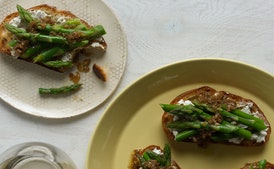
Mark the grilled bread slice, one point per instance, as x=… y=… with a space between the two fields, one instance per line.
x=262 y=164
x=145 y=158
x=204 y=115
x=17 y=46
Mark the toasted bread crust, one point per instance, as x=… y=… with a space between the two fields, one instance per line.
x=6 y=36
x=134 y=161
x=203 y=94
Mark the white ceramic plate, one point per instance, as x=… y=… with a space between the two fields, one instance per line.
x=19 y=81
x=133 y=118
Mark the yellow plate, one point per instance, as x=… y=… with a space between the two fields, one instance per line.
x=133 y=119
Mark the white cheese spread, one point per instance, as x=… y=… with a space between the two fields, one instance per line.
x=39 y=14
x=236 y=140
x=174 y=132
x=61 y=19
x=187 y=102
x=67 y=57
x=15 y=21
x=260 y=136
x=98 y=45
x=157 y=151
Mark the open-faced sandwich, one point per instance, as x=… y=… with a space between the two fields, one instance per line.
x=204 y=115
x=152 y=157
x=262 y=164
x=49 y=37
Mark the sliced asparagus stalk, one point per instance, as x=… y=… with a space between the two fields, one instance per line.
x=64 y=89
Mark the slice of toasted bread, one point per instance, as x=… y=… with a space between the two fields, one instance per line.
x=217 y=101
x=56 y=16
x=256 y=165
x=137 y=160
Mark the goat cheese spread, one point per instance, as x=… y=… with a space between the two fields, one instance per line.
x=17 y=21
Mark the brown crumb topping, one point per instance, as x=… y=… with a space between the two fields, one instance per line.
x=75 y=78
x=84 y=65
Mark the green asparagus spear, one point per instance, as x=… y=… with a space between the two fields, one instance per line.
x=146 y=156
x=14 y=29
x=81 y=27
x=63 y=89
x=184 y=109
x=163 y=160
x=12 y=43
x=94 y=32
x=262 y=164
x=156 y=157
x=246 y=115
x=185 y=134
x=241 y=131
x=142 y=161
x=43 y=38
x=179 y=109
x=223 y=128
x=79 y=44
x=169 y=107
x=24 y=14
x=32 y=51
x=185 y=125
x=167 y=155
x=203 y=106
x=58 y=64
x=249 y=122
x=49 y=54
x=203 y=125
x=65 y=26
x=217 y=137
x=35 y=36
x=253 y=122
x=73 y=22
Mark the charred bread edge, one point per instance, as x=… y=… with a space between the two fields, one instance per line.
x=166 y=117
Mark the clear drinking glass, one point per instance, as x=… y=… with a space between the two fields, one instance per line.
x=35 y=155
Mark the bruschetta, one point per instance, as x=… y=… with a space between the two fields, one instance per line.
x=204 y=115
x=49 y=37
